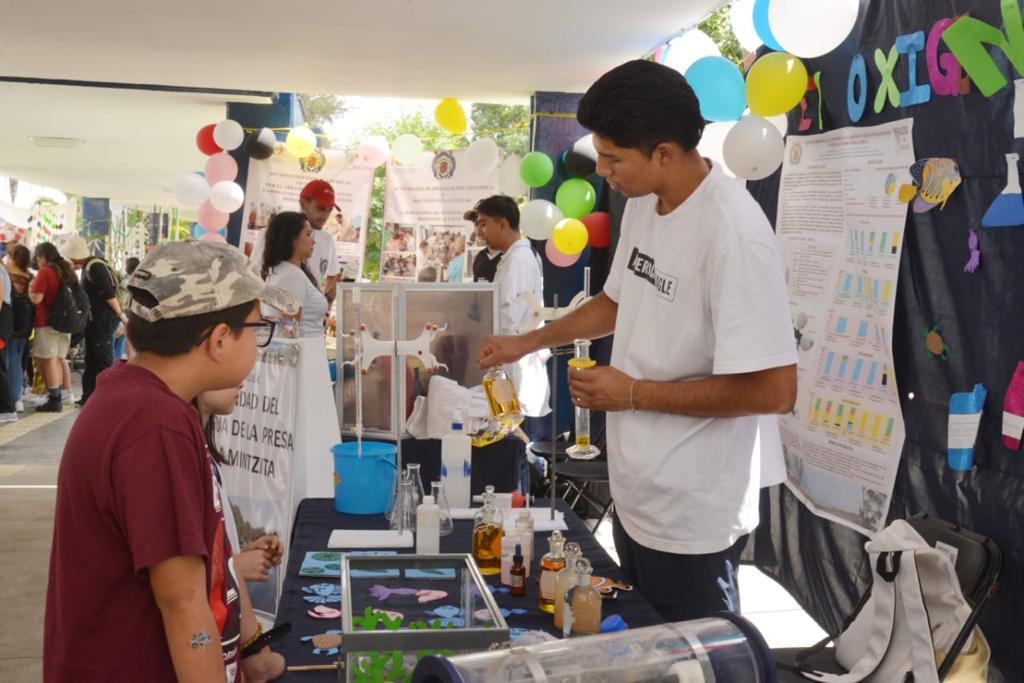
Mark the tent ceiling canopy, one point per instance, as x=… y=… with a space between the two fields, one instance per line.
x=130 y=145
x=475 y=50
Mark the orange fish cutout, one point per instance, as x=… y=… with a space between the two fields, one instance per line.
x=935 y=179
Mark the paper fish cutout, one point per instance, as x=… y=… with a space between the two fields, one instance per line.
x=326 y=643
x=322 y=593
x=935 y=178
x=324 y=612
x=935 y=344
x=423 y=596
x=972 y=246
x=449 y=615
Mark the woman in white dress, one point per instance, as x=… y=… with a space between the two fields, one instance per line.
x=289 y=242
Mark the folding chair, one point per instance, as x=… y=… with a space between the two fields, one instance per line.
x=978 y=563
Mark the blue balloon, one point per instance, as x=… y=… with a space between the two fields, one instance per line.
x=762 y=27
x=719 y=87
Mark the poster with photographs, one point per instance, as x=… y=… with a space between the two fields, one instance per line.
x=274 y=186
x=441 y=253
x=426 y=238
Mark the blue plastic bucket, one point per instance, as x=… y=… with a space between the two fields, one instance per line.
x=363 y=485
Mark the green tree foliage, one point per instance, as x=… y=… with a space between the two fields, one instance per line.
x=487 y=120
x=321 y=108
x=717 y=26
x=509 y=125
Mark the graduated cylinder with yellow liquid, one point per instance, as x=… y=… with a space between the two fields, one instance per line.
x=580 y=362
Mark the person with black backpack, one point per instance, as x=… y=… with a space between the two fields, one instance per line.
x=18 y=260
x=62 y=308
x=101 y=284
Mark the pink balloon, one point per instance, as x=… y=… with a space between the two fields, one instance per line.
x=210 y=218
x=557 y=258
x=212 y=237
x=220 y=167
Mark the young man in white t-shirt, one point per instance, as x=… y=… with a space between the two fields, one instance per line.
x=316 y=201
x=697 y=301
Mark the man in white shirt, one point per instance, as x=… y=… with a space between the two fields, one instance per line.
x=316 y=201
x=697 y=301
x=519 y=271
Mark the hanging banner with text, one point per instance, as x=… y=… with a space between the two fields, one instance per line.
x=840 y=224
x=258 y=442
x=425 y=235
x=274 y=186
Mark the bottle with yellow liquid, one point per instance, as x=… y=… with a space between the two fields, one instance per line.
x=550 y=565
x=583 y=450
x=487 y=534
x=501 y=397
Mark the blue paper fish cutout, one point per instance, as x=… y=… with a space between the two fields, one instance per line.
x=935 y=179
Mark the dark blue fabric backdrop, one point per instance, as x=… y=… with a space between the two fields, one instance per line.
x=982 y=320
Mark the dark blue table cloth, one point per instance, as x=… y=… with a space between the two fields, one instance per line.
x=316 y=519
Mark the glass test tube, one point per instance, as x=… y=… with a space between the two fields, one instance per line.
x=583 y=450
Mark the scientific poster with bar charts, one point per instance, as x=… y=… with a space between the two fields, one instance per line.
x=426 y=238
x=258 y=442
x=274 y=186
x=840 y=223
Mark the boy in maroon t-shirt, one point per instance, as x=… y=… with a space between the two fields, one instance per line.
x=140 y=585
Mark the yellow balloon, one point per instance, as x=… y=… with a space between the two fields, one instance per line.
x=301 y=142
x=451 y=116
x=775 y=84
x=570 y=236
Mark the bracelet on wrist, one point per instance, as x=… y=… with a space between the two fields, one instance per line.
x=259 y=632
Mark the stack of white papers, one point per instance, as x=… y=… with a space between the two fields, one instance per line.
x=352 y=538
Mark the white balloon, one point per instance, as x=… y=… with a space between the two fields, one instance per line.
x=712 y=142
x=191 y=189
x=406 y=149
x=509 y=181
x=374 y=151
x=811 y=28
x=781 y=123
x=482 y=156
x=686 y=49
x=585 y=146
x=538 y=218
x=753 y=148
x=227 y=196
x=228 y=135
x=741 y=16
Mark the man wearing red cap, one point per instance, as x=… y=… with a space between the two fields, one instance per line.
x=316 y=201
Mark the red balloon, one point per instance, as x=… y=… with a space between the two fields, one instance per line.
x=204 y=140
x=599 y=227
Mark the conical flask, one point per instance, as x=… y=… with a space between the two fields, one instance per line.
x=1008 y=208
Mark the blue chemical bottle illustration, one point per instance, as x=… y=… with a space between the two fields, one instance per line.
x=1008 y=208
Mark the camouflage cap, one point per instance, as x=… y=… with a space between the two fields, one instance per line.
x=195 y=277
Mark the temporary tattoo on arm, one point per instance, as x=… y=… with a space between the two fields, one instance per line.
x=200 y=640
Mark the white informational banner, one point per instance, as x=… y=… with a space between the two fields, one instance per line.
x=274 y=186
x=425 y=235
x=840 y=223
x=278 y=446
x=258 y=442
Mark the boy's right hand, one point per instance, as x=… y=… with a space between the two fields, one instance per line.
x=253 y=565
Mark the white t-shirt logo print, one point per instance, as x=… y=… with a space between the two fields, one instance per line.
x=643 y=267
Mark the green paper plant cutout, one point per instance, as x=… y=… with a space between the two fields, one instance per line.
x=373 y=667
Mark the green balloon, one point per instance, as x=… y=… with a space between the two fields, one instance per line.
x=575 y=197
x=536 y=169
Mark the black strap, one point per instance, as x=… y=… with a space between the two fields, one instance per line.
x=266 y=638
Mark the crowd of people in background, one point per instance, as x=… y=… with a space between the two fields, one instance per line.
x=35 y=371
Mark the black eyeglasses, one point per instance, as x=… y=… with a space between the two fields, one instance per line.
x=264 y=331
